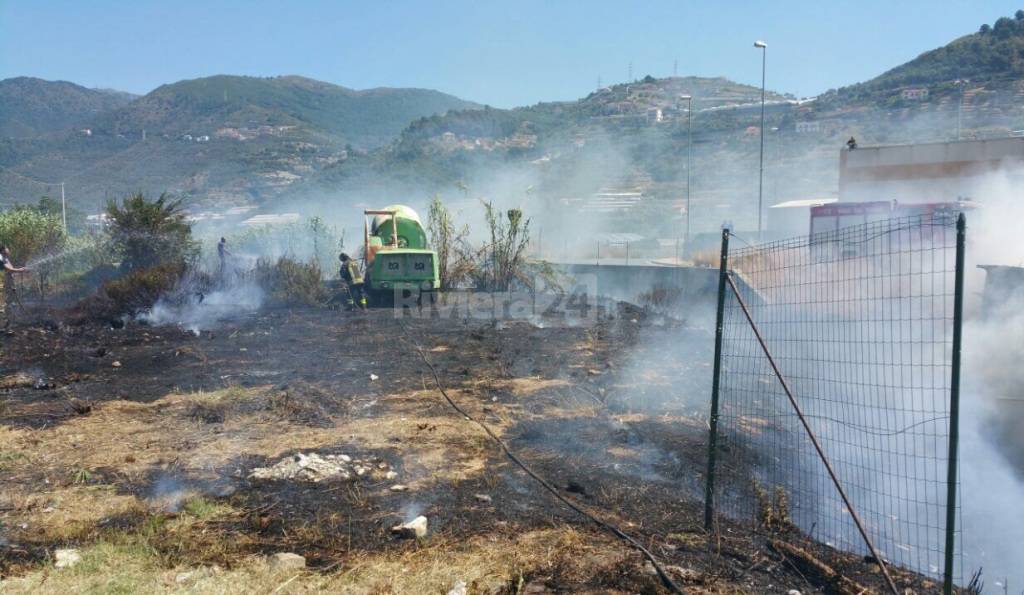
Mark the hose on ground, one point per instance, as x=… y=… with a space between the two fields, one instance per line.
x=666 y=580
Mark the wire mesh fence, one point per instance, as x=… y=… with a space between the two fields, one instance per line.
x=860 y=323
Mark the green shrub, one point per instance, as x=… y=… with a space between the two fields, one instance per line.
x=147 y=233
x=141 y=288
x=289 y=281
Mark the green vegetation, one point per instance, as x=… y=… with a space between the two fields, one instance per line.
x=31 y=107
x=289 y=281
x=141 y=288
x=510 y=235
x=150 y=233
x=304 y=240
x=449 y=241
x=994 y=53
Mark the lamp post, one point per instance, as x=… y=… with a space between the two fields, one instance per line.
x=961 y=83
x=689 y=161
x=760 y=181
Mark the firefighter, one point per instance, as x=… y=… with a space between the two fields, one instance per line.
x=7 y=269
x=352 y=281
x=222 y=254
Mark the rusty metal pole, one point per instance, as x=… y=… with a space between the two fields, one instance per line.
x=814 y=439
x=709 y=483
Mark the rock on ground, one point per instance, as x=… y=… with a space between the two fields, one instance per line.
x=414 y=528
x=66 y=558
x=314 y=467
x=286 y=561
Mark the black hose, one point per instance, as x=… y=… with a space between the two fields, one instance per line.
x=665 y=578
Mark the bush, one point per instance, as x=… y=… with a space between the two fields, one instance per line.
x=149 y=233
x=504 y=255
x=35 y=239
x=141 y=288
x=454 y=261
x=309 y=239
x=291 y=282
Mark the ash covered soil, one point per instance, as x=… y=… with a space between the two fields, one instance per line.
x=174 y=461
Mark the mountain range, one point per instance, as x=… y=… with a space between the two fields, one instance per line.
x=230 y=140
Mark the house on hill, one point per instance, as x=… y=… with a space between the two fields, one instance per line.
x=915 y=94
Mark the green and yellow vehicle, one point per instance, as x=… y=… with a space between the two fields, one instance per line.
x=399 y=262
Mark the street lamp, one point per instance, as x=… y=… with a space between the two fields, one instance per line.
x=760 y=182
x=689 y=162
x=961 y=83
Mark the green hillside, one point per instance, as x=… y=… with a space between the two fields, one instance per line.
x=363 y=119
x=32 y=107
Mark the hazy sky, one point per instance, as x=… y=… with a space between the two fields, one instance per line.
x=501 y=53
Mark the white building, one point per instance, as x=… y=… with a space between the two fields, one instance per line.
x=914 y=94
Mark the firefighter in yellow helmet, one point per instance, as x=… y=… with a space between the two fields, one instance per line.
x=352 y=281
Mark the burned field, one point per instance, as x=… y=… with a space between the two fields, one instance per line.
x=175 y=461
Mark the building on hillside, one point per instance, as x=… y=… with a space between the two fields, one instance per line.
x=916 y=94
x=931 y=172
x=808 y=127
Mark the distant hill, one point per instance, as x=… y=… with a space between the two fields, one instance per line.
x=363 y=119
x=221 y=139
x=32 y=107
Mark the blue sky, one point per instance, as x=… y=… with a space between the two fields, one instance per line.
x=500 y=53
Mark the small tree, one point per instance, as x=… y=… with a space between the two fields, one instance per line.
x=985 y=28
x=453 y=260
x=35 y=238
x=147 y=233
x=509 y=238
x=1019 y=15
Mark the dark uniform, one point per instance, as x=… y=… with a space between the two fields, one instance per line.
x=352 y=282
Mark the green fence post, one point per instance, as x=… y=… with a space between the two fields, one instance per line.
x=954 y=406
x=709 y=486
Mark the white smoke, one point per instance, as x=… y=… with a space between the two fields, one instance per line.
x=991 y=474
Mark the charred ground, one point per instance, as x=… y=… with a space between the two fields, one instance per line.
x=144 y=463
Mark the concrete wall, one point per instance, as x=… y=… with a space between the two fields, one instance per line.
x=929 y=172
x=628 y=283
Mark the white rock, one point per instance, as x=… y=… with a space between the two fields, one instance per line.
x=66 y=558
x=286 y=561
x=182 y=577
x=792 y=592
x=414 y=528
x=482 y=498
x=390 y=475
x=398 y=487
x=374 y=377
x=459 y=588
x=116 y=364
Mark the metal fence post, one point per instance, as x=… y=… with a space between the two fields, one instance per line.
x=954 y=407
x=709 y=486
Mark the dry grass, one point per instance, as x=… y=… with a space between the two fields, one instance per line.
x=129 y=564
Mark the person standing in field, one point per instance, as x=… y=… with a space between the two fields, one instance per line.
x=352 y=280
x=6 y=282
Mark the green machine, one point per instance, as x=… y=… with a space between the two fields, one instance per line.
x=397 y=257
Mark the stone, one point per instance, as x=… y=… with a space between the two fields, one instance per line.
x=415 y=528
x=792 y=592
x=66 y=558
x=484 y=498
x=459 y=588
x=286 y=561
x=116 y=364
x=390 y=475
x=398 y=487
x=182 y=577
